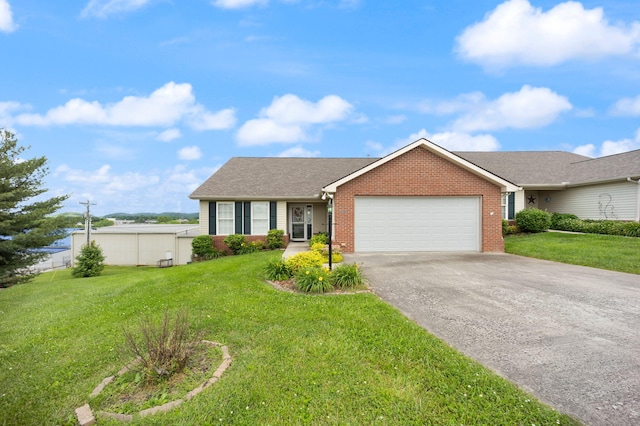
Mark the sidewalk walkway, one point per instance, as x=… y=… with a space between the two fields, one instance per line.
x=295 y=248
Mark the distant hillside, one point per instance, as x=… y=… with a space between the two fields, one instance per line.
x=146 y=216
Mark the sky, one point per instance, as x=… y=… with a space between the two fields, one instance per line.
x=136 y=102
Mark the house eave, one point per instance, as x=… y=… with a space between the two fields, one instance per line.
x=297 y=198
x=598 y=181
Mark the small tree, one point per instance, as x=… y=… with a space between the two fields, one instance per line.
x=90 y=261
x=25 y=224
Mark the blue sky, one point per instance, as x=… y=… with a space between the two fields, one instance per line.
x=137 y=102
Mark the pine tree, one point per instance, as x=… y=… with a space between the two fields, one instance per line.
x=26 y=221
x=90 y=261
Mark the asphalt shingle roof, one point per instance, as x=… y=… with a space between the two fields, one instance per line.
x=269 y=177
x=246 y=177
x=526 y=167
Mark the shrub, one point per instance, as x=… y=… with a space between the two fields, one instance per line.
x=320 y=238
x=275 y=239
x=533 y=220
x=608 y=227
x=317 y=247
x=508 y=229
x=252 y=247
x=277 y=270
x=236 y=243
x=314 y=280
x=161 y=348
x=347 y=276
x=202 y=248
x=306 y=259
x=558 y=218
x=90 y=261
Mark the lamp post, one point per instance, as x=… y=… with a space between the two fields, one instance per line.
x=330 y=211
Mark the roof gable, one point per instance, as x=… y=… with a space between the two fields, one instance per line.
x=254 y=178
x=438 y=150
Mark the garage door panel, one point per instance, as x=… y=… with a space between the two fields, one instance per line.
x=417 y=224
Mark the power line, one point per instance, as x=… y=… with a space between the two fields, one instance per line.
x=87 y=219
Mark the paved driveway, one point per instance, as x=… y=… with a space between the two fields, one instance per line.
x=568 y=334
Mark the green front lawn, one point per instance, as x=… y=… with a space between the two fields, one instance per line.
x=599 y=251
x=297 y=359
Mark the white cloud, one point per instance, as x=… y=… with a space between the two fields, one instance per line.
x=165 y=106
x=190 y=153
x=609 y=147
x=516 y=33
x=289 y=119
x=452 y=141
x=205 y=120
x=169 y=135
x=238 y=4
x=530 y=107
x=395 y=119
x=627 y=107
x=115 y=152
x=299 y=151
x=130 y=191
x=6 y=17
x=290 y=109
x=104 y=8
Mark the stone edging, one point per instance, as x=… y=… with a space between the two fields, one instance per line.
x=85 y=415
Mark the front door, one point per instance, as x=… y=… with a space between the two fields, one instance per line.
x=301 y=222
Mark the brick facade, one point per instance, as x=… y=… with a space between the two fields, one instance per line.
x=419 y=172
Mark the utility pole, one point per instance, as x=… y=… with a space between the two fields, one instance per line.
x=87 y=219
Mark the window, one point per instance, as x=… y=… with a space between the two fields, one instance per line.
x=260 y=217
x=226 y=225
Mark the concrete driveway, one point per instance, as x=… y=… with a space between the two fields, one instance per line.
x=570 y=335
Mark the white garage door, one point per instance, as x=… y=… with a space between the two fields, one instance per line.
x=417 y=224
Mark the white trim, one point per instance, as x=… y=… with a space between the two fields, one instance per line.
x=505 y=185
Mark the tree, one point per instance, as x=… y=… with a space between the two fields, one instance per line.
x=90 y=261
x=26 y=221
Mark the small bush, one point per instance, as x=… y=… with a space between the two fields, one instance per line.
x=317 y=247
x=275 y=239
x=278 y=270
x=533 y=220
x=306 y=259
x=90 y=261
x=320 y=238
x=314 y=280
x=508 y=229
x=252 y=247
x=202 y=248
x=161 y=348
x=236 y=243
x=347 y=276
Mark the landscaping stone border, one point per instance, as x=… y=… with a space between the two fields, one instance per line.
x=86 y=417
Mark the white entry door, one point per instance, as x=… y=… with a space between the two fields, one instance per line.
x=301 y=222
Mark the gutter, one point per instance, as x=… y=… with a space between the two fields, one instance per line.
x=637 y=198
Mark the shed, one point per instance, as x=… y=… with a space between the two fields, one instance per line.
x=138 y=245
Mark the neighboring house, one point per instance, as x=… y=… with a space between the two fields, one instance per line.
x=419 y=198
x=556 y=181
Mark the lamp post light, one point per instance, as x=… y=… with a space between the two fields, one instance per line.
x=330 y=211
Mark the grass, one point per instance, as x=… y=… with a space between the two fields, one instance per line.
x=297 y=359
x=599 y=251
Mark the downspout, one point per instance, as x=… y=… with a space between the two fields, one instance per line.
x=637 y=198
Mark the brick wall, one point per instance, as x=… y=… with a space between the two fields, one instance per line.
x=419 y=173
